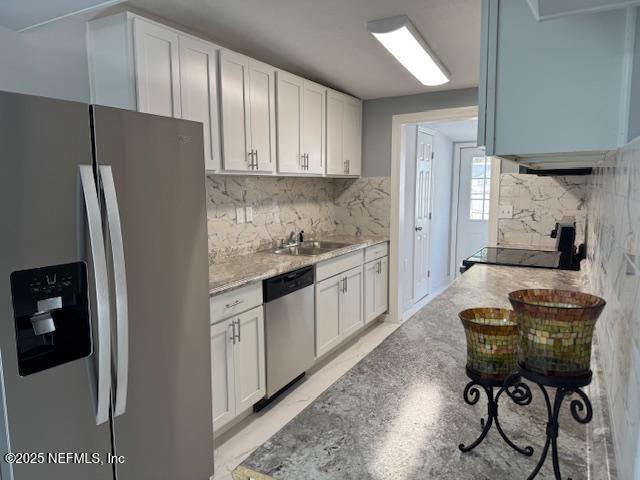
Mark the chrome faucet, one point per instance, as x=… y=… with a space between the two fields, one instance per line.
x=293 y=239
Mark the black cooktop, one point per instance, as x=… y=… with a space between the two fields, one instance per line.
x=517 y=257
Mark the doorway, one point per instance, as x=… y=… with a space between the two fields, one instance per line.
x=426 y=193
x=474 y=200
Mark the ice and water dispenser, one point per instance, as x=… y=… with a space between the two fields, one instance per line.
x=51 y=314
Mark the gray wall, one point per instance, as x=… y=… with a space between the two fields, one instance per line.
x=49 y=61
x=377 y=114
x=634 y=110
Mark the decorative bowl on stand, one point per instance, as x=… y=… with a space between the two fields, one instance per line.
x=556 y=330
x=492 y=342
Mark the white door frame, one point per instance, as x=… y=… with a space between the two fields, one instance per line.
x=496 y=166
x=398 y=164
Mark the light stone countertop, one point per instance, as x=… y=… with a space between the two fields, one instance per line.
x=399 y=414
x=238 y=271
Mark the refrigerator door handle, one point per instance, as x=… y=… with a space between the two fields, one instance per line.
x=102 y=370
x=120 y=283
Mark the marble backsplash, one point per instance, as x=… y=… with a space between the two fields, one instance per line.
x=613 y=269
x=282 y=205
x=538 y=203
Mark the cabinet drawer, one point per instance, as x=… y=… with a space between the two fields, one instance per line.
x=376 y=251
x=235 y=301
x=337 y=265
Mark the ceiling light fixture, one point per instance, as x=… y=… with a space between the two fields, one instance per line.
x=402 y=40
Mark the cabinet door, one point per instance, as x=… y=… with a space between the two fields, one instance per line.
x=328 y=314
x=234 y=71
x=352 y=136
x=381 y=294
x=351 y=312
x=222 y=374
x=335 y=110
x=370 y=277
x=199 y=93
x=313 y=127
x=156 y=52
x=289 y=118
x=248 y=358
x=262 y=114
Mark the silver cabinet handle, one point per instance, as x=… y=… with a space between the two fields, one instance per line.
x=238 y=320
x=379 y=265
x=257 y=157
x=418 y=229
x=306 y=161
x=233 y=304
x=120 y=284
x=348 y=166
x=233 y=332
x=101 y=373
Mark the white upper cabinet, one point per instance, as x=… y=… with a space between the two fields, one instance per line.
x=262 y=115
x=199 y=93
x=344 y=134
x=142 y=65
x=552 y=90
x=289 y=98
x=247 y=93
x=255 y=121
x=313 y=127
x=157 y=66
x=234 y=71
x=352 y=136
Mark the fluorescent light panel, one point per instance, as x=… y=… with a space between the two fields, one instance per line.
x=402 y=40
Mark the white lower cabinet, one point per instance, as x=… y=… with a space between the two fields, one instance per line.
x=376 y=288
x=237 y=364
x=339 y=309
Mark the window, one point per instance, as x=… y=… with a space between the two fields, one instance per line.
x=480 y=188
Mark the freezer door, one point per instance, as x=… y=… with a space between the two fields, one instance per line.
x=42 y=144
x=163 y=425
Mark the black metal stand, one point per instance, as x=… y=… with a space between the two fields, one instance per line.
x=580 y=407
x=472 y=396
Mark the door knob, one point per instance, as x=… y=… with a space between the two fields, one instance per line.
x=418 y=229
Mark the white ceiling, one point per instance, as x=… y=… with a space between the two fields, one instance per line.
x=327 y=40
x=458 y=130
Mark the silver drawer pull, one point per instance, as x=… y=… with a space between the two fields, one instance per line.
x=233 y=304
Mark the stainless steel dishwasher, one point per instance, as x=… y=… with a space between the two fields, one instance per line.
x=289 y=329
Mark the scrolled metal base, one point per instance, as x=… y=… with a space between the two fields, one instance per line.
x=581 y=411
x=472 y=395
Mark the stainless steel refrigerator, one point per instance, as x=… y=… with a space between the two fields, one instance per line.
x=104 y=331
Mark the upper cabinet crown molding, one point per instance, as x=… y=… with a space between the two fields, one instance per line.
x=254 y=117
x=550 y=88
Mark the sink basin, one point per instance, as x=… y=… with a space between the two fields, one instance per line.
x=310 y=248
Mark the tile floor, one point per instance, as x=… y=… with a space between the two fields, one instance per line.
x=258 y=428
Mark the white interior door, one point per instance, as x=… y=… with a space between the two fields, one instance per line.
x=473 y=202
x=422 y=214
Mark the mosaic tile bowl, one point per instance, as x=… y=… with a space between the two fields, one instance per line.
x=492 y=342
x=556 y=330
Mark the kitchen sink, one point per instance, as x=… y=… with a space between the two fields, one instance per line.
x=310 y=248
